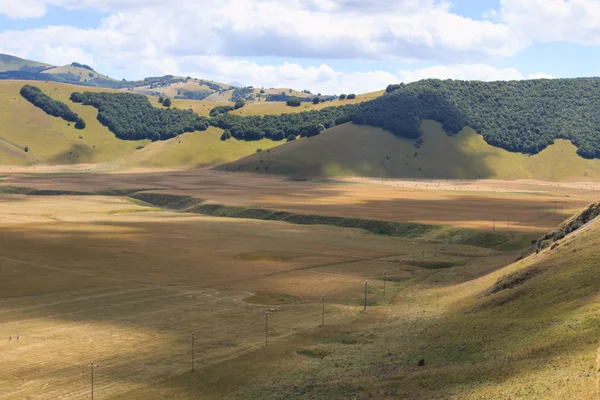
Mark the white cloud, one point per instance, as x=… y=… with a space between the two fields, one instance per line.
x=326 y=29
x=322 y=78
x=23 y=8
x=576 y=21
x=480 y=72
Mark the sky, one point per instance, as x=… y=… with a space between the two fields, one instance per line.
x=327 y=46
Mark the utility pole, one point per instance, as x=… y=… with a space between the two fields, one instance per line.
x=508 y=222
x=92 y=366
x=366 y=288
x=323 y=311
x=267 y=328
x=384 y=279
x=193 y=349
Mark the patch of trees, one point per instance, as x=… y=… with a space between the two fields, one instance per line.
x=56 y=108
x=131 y=116
x=293 y=102
x=241 y=93
x=210 y=85
x=220 y=110
x=77 y=65
x=280 y=127
x=193 y=95
x=283 y=97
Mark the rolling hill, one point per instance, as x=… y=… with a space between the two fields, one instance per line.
x=526 y=330
x=53 y=141
x=11 y=63
x=353 y=150
x=179 y=87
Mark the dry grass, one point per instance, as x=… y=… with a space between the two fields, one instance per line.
x=82 y=281
x=90 y=277
x=468 y=204
x=51 y=140
x=351 y=150
x=275 y=108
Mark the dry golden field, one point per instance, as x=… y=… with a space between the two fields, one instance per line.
x=105 y=279
x=114 y=280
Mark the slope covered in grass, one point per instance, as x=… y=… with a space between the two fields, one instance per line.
x=49 y=139
x=12 y=63
x=195 y=149
x=352 y=150
x=527 y=330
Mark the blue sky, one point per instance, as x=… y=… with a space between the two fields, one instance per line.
x=328 y=46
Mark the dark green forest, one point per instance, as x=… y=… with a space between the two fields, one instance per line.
x=35 y=96
x=520 y=116
x=131 y=116
x=279 y=127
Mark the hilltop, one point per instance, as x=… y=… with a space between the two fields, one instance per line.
x=179 y=87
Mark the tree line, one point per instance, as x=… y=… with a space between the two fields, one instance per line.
x=56 y=108
x=519 y=116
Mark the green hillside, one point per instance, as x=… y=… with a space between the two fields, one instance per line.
x=51 y=140
x=12 y=63
x=353 y=150
x=527 y=330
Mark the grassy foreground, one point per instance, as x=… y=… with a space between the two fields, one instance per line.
x=527 y=330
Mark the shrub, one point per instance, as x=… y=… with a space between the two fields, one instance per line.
x=26 y=149
x=342 y=97
x=167 y=102
x=291 y=138
x=139 y=147
x=316 y=100
x=80 y=124
x=77 y=97
x=351 y=96
x=294 y=102
x=161 y=99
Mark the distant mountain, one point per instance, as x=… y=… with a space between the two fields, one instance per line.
x=12 y=63
x=179 y=87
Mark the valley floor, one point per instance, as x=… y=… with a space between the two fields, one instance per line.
x=125 y=283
